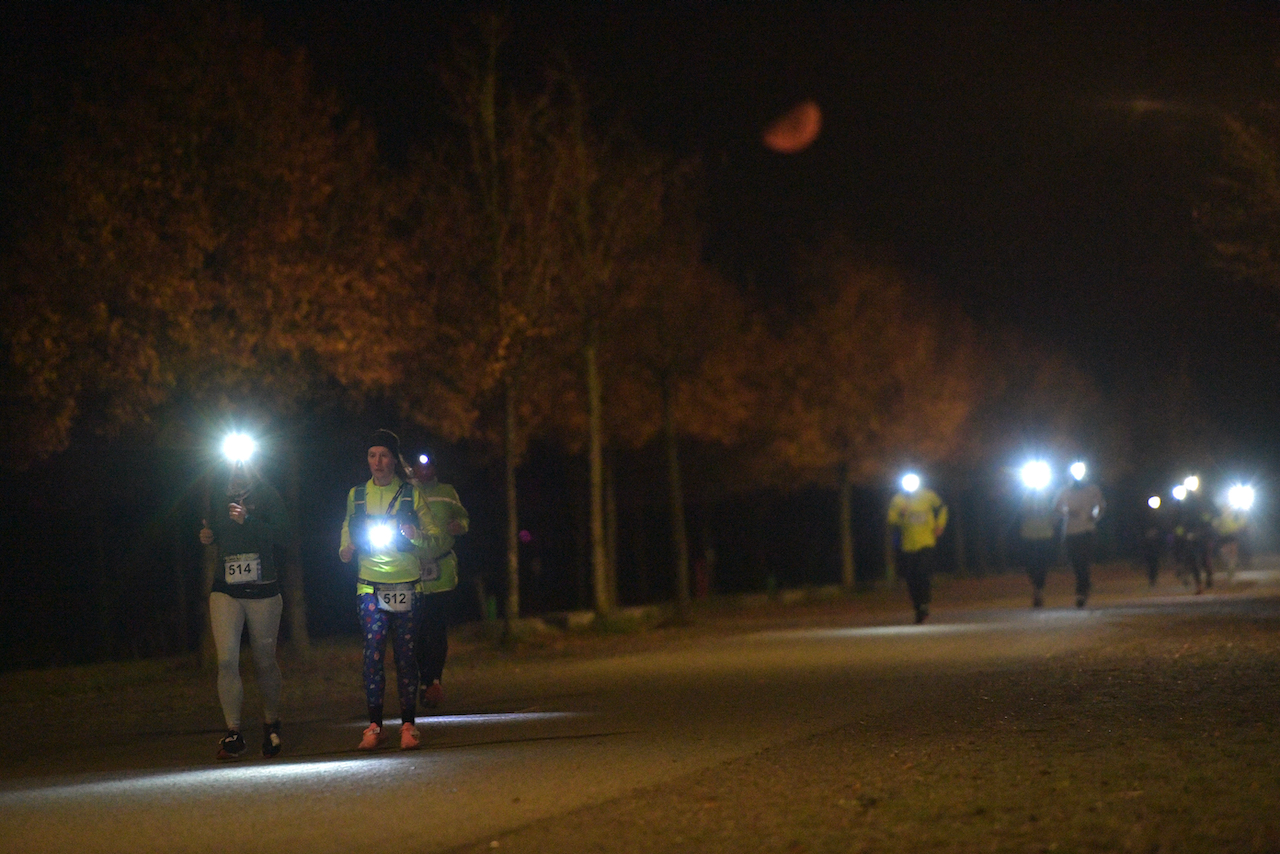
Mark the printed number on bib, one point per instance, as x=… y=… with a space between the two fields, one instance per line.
x=397 y=598
x=243 y=569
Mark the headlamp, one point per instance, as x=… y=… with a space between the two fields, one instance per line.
x=1036 y=475
x=1192 y=483
x=238 y=447
x=1154 y=502
x=1240 y=496
x=910 y=482
x=380 y=535
x=1078 y=470
x=1180 y=492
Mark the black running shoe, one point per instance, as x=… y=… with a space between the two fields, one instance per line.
x=270 y=739
x=231 y=746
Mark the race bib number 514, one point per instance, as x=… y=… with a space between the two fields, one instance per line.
x=243 y=569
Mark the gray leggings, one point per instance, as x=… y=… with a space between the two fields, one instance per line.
x=229 y=616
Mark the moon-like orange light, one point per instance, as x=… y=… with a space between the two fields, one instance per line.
x=796 y=130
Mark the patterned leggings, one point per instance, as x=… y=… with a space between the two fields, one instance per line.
x=403 y=626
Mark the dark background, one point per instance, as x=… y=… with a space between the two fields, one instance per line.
x=992 y=148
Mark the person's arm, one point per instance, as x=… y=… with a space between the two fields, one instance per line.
x=461 y=521
x=939 y=519
x=429 y=535
x=346 y=548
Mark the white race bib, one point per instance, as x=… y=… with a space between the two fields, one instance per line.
x=243 y=569
x=396 y=598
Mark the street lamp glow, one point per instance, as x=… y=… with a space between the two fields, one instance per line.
x=1154 y=502
x=1077 y=470
x=1036 y=474
x=1240 y=496
x=910 y=482
x=1192 y=483
x=238 y=447
x=1180 y=492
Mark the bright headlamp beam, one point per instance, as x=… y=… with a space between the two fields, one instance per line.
x=380 y=535
x=1077 y=470
x=238 y=447
x=1192 y=483
x=1036 y=474
x=910 y=482
x=1154 y=502
x=1240 y=496
x=1180 y=492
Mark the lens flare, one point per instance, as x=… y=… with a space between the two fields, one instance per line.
x=380 y=535
x=1036 y=474
x=238 y=447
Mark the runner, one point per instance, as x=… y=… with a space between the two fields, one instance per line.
x=387 y=522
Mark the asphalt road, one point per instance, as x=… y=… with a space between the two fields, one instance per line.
x=552 y=738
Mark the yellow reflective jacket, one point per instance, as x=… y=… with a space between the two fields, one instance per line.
x=920 y=516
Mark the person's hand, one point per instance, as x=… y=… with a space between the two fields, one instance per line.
x=937 y=532
x=455 y=527
x=206 y=533
x=346 y=553
x=237 y=512
x=410 y=532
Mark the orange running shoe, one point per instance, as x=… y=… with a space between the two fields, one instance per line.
x=410 y=738
x=372 y=738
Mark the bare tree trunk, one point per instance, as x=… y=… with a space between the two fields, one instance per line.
x=611 y=523
x=599 y=559
x=679 y=533
x=295 y=601
x=848 y=569
x=209 y=570
x=512 y=610
x=183 y=615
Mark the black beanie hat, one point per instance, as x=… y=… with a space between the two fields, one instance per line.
x=385 y=439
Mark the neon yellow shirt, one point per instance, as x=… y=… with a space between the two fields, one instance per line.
x=921 y=516
x=391 y=566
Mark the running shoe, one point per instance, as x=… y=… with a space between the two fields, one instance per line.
x=410 y=738
x=373 y=738
x=432 y=695
x=231 y=746
x=270 y=739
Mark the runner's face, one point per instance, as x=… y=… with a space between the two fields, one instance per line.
x=382 y=466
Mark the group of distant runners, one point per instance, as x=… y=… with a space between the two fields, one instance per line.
x=400 y=528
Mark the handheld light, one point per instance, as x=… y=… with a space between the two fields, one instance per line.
x=910 y=482
x=1036 y=475
x=238 y=447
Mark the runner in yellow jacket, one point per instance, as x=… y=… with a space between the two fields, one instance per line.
x=920 y=518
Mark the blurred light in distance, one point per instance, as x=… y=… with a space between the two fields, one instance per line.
x=1154 y=502
x=1180 y=492
x=910 y=482
x=1192 y=483
x=1036 y=474
x=1077 y=470
x=1240 y=496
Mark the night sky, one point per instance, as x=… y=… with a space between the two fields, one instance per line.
x=987 y=147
